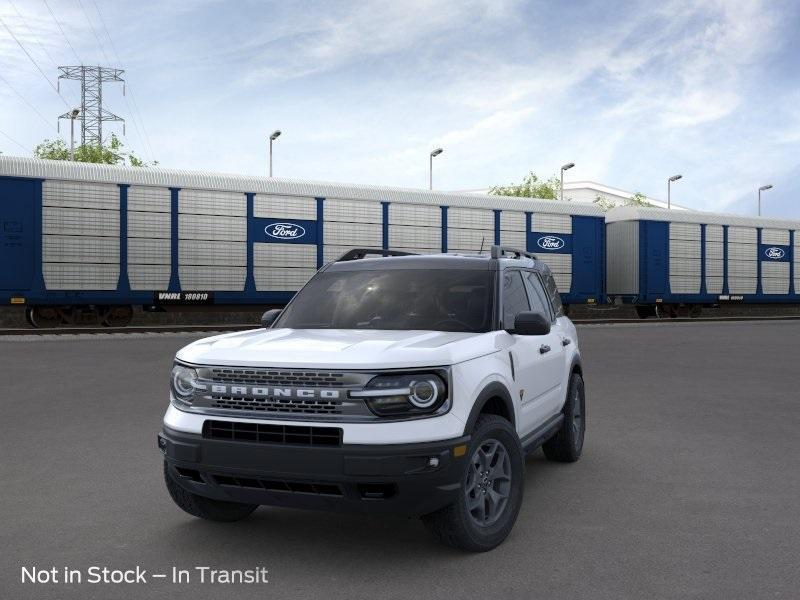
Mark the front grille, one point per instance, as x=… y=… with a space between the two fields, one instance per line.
x=280 y=393
x=278 y=405
x=280 y=485
x=277 y=377
x=264 y=433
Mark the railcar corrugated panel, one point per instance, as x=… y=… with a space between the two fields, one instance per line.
x=693 y=257
x=77 y=233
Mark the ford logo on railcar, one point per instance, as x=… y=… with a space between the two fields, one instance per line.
x=775 y=253
x=550 y=242
x=285 y=231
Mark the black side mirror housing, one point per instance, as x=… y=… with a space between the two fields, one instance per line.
x=531 y=323
x=269 y=317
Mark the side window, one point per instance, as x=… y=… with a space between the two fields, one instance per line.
x=515 y=299
x=552 y=293
x=539 y=301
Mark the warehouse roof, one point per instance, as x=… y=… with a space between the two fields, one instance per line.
x=636 y=213
x=157 y=176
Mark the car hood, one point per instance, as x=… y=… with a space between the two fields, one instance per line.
x=338 y=348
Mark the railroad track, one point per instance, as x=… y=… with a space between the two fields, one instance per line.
x=242 y=326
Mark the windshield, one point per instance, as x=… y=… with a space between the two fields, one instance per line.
x=438 y=299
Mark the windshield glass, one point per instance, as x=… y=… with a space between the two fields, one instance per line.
x=440 y=300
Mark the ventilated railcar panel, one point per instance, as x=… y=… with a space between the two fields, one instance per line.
x=551 y=223
x=281 y=279
x=209 y=278
x=149 y=199
x=415 y=214
x=415 y=236
x=208 y=202
x=352 y=211
x=285 y=255
x=211 y=227
x=80 y=194
x=284 y=207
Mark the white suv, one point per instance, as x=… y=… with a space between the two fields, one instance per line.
x=401 y=384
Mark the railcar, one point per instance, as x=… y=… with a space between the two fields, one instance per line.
x=85 y=242
x=673 y=263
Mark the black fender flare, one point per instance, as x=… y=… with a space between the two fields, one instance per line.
x=495 y=389
x=576 y=365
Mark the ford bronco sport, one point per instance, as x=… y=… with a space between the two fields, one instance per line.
x=402 y=384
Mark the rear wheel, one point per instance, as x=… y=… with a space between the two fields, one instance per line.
x=567 y=444
x=117 y=316
x=491 y=490
x=644 y=311
x=665 y=311
x=205 y=508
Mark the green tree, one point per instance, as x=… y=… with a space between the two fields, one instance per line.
x=531 y=187
x=638 y=199
x=606 y=203
x=112 y=153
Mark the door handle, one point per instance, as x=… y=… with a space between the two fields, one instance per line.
x=544 y=349
x=566 y=342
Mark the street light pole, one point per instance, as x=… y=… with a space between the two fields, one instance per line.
x=763 y=188
x=669 y=190
x=72 y=116
x=272 y=138
x=436 y=152
x=565 y=167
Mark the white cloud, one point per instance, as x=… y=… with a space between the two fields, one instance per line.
x=363 y=91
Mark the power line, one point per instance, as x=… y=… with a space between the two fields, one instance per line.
x=33 y=35
x=15 y=141
x=61 y=29
x=32 y=107
x=94 y=32
x=35 y=64
x=146 y=138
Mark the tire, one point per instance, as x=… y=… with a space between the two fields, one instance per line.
x=117 y=316
x=205 y=508
x=459 y=526
x=567 y=444
x=44 y=316
x=643 y=311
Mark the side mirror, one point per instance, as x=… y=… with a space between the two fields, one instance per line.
x=269 y=317
x=531 y=323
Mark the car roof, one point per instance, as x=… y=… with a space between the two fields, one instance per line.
x=475 y=262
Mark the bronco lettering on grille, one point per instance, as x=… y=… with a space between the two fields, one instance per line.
x=278 y=392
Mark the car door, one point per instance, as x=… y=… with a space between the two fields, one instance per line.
x=532 y=355
x=553 y=356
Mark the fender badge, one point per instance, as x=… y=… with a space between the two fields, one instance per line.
x=521 y=394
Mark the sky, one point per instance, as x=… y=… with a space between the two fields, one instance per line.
x=632 y=92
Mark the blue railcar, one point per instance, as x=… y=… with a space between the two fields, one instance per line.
x=92 y=241
x=672 y=263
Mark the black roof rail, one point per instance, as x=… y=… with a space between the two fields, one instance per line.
x=501 y=251
x=359 y=253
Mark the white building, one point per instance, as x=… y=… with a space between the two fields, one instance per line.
x=588 y=191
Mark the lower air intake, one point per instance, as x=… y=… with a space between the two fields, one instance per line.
x=263 y=433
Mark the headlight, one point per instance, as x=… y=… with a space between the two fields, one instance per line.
x=183 y=383
x=405 y=394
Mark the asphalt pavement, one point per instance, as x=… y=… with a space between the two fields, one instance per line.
x=689 y=485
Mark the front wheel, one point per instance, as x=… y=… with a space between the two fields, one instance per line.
x=491 y=490
x=205 y=508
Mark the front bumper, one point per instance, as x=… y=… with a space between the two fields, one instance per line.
x=404 y=479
